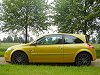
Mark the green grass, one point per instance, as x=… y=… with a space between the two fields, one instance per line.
x=4 y=46
x=97 y=47
x=9 y=69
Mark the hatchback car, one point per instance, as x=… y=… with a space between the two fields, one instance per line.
x=53 y=48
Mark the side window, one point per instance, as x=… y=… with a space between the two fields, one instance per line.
x=50 y=39
x=69 y=39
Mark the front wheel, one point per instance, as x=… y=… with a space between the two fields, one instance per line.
x=83 y=59
x=19 y=58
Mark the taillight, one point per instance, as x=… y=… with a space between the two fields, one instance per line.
x=90 y=46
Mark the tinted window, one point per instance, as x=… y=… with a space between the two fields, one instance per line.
x=51 y=39
x=69 y=39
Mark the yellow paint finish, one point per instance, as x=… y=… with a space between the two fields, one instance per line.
x=47 y=53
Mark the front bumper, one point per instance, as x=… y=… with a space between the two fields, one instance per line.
x=7 y=56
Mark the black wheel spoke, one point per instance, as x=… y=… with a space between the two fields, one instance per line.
x=19 y=58
x=83 y=59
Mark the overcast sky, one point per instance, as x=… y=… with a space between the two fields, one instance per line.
x=49 y=1
x=0 y=0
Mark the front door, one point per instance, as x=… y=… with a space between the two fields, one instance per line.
x=48 y=49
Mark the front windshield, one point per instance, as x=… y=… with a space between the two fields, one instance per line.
x=34 y=41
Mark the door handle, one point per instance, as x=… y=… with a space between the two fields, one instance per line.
x=60 y=47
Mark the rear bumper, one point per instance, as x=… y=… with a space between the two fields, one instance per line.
x=93 y=55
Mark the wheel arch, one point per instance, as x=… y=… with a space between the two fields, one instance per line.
x=84 y=51
x=19 y=51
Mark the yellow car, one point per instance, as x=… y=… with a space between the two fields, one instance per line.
x=53 y=48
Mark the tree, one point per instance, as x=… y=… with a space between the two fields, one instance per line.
x=4 y=39
x=16 y=39
x=31 y=39
x=9 y=39
x=93 y=40
x=21 y=40
x=74 y=15
x=21 y=15
x=98 y=38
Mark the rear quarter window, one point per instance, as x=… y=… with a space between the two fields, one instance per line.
x=69 y=39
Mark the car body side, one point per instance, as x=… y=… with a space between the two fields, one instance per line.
x=68 y=54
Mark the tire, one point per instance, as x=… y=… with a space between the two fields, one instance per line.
x=19 y=58
x=83 y=59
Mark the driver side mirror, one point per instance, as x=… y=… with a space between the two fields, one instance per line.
x=33 y=44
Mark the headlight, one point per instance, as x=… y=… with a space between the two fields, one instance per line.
x=9 y=49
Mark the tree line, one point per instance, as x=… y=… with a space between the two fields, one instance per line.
x=16 y=39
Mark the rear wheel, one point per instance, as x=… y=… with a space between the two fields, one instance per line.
x=83 y=59
x=19 y=58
